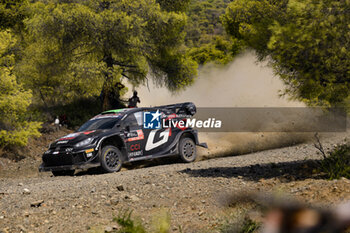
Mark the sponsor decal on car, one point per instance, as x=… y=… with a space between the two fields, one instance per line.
x=69 y=137
x=73 y=135
x=89 y=150
x=134 y=147
x=136 y=153
x=62 y=142
x=66 y=138
x=135 y=136
x=88 y=132
x=151 y=144
x=132 y=134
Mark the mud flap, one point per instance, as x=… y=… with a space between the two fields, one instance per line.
x=203 y=144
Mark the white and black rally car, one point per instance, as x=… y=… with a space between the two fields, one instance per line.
x=125 y=135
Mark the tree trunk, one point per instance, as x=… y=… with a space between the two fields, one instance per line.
x=110 y=92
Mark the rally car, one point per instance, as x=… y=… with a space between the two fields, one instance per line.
x=125 y=135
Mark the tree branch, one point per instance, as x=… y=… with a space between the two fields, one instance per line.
x=319 y=146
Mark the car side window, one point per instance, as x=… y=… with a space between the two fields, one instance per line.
x=139 y=116
x=130 y=121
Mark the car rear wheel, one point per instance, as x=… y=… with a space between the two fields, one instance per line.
x=187 y=149
x=63 y=173
x=111 y=159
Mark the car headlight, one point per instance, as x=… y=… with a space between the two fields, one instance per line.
x=84 y=142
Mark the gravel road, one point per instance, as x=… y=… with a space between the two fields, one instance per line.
x=191 y=193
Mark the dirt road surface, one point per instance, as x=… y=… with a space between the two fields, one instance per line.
x=193 y=194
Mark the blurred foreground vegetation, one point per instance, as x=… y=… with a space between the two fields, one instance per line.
x=336 y=164
x=161 y=224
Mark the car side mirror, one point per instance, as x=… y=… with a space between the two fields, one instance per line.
x=127 y=128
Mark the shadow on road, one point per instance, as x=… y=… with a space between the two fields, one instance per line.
x=286 y=171
x=152 y=163
x=133 y=165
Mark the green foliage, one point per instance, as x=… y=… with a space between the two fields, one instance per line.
x=77 y=49
x=204 y=21
x=249 y=226
x=128 y=225
x=219 y=50
x=307 y=41
x=174 y=5
x=249 y=22
x=337 y=163
x=245 y=225
x=15 y=129
x=12 y=13
x=161 y=223
x=205 y=35
x=77 y=111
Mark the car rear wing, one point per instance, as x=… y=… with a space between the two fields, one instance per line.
x=180 y=108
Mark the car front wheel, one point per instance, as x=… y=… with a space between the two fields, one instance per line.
x=111 y=159
x=187 y=149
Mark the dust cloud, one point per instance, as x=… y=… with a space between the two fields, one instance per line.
x=243 y=83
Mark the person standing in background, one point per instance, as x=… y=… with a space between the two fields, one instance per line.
x=57 y=123
x=134 y=100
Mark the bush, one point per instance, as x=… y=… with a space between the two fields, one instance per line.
x=247 y=226
x=15 y=125
x=128 y=225
x=337 y=163
x=250 y=226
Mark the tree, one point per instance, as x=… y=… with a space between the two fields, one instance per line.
x=219 y=50
x=308 y=43
x=82 y=47
x=205 y=34
x=174 y=5
x=15 y=129
x=12 y=14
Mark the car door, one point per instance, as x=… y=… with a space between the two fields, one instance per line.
x=134 y=135
x=161 y=140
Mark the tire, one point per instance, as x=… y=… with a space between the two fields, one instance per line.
x=187 y=150
x=111 y=159
x=63 y=173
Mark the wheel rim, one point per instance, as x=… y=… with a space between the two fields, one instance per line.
x=188 y=150
x=112 y=159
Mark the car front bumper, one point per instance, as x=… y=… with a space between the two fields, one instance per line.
x=63 y=160
x=44 y=168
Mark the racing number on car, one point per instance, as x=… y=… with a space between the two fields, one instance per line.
x=164 y=136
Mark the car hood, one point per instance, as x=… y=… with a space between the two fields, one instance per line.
x=73 y=138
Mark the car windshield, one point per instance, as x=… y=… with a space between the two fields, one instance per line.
x=99 y=123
